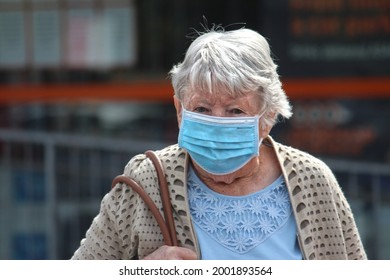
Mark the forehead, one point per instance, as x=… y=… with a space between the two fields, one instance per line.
x=221 y=98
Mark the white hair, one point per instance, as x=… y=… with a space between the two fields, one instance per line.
x=234 y=62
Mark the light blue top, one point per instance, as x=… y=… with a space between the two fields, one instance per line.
x=255 y=226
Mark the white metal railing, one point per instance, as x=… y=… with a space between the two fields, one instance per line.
x=47 y=215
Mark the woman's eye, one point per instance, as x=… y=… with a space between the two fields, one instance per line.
x=236 y=111
x=201 y=110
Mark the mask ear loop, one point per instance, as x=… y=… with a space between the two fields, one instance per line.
x=182 y=113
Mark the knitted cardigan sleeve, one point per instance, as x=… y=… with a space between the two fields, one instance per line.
x=325 y=223
x=353 y=244
x=124 y=227
x=101 y=240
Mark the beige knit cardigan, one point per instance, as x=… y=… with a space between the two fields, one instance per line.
x=125 y=228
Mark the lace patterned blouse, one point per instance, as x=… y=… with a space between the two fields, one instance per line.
x=255 y=226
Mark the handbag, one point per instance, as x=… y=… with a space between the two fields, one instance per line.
x=166 y=223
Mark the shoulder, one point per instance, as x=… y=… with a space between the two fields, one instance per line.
x=293 y=158
x=301 y=163
x=172 y=158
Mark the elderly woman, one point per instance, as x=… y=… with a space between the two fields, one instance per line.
x=235 y=192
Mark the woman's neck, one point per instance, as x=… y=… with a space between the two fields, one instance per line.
x=257 y=174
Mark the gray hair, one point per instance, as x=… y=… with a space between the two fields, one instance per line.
x=234 y=62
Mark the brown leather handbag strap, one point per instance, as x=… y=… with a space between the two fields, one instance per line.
x=164 y=192
x=166 y=225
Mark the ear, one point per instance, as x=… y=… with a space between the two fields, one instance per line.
x=179 y=109
x=264 y=130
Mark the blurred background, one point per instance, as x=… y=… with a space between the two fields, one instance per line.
x=83 y=88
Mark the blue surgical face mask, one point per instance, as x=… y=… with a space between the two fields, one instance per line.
x=219 y=145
